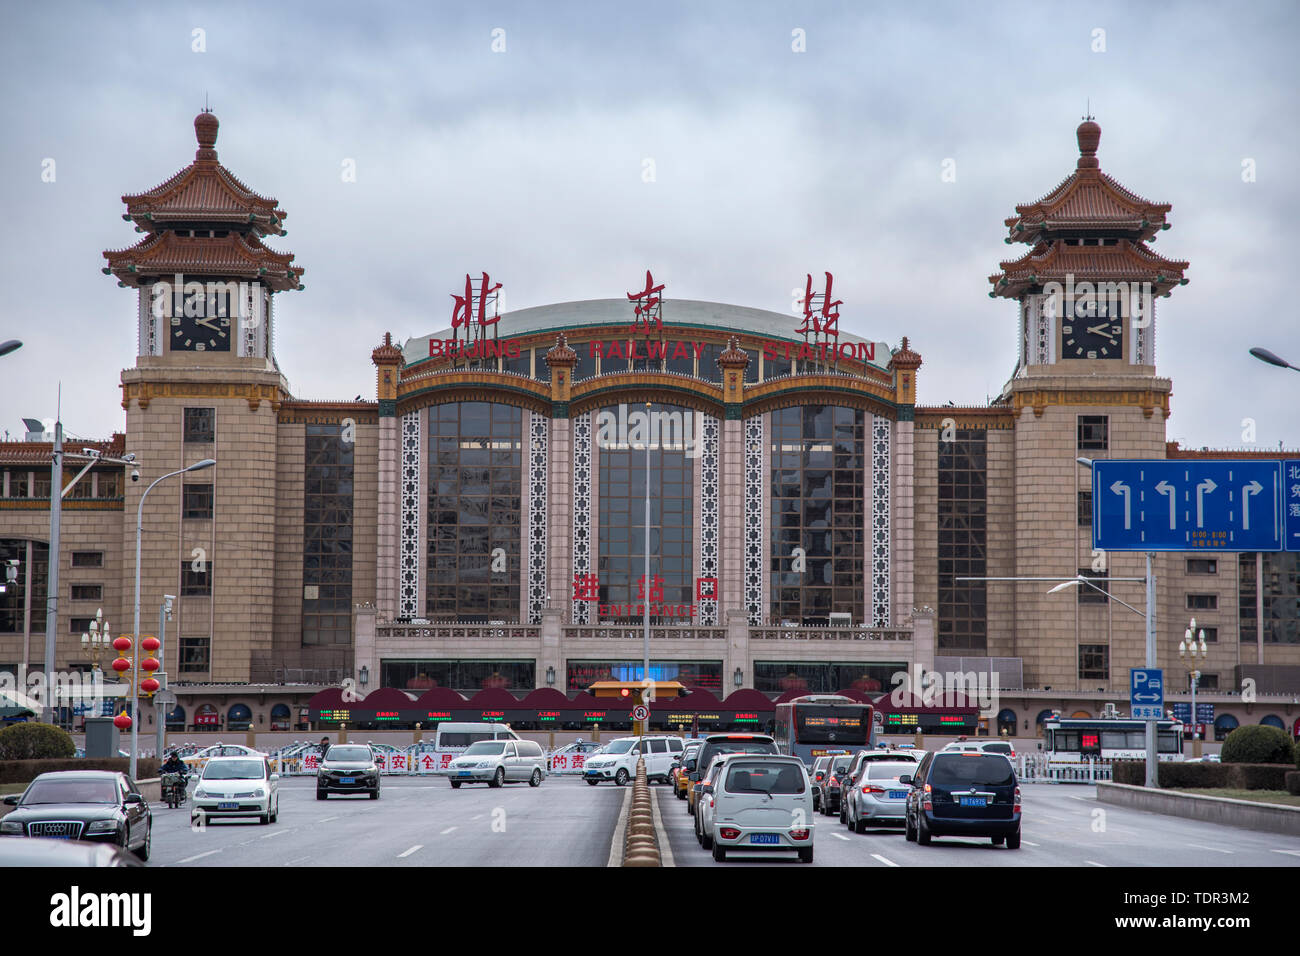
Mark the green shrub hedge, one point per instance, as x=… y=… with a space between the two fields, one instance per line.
x=1207 y=775
x=34 y=741
x=1257 y=776
x=1293 y=783
x=1256 y=743
x=1131 y=772
x=25 y=771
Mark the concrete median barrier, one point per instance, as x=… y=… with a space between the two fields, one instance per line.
x=1225 y=811
x=641 y=840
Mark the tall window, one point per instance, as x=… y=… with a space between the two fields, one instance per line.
x=818 y=461
x=621 y=565
x=327 y=537
x=196 y=583
x=1094 y=662
x=33 y=567
x=195 y=654
x=1278 y=588
x=1094 y=433
x=963 y=540
x=196 y=501
x=200 y=424
x=475 y=490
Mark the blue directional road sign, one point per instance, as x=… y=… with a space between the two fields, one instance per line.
x=1146 y=692
x=1183 y=711
x=1187 y=505
x=1291 y=503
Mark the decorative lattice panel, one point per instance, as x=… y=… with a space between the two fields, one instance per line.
x=709 y=515
x=582 y=509
x=754 y=519
x=539 y=430
x=880 y=471
x=408 y=577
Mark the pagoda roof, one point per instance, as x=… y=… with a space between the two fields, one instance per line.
x=1088 y=202
x=1057 y=261
x=205 y=193
x=233 y=256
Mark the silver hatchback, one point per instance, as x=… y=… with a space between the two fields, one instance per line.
x=498 y=762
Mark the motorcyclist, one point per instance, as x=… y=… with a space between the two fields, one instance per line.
x=173 y=764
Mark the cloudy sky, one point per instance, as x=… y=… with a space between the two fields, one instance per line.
x=532 y=162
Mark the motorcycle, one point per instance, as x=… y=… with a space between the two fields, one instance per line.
x=173 y=789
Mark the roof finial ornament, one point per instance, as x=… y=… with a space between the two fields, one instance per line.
x=1089 y=136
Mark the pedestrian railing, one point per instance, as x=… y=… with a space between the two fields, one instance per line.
x=1035 y=768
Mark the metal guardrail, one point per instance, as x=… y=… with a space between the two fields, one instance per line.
x=1036 y=768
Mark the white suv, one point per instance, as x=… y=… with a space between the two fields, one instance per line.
x=618 y=762
x=991 y=746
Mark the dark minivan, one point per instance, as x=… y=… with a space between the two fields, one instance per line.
x=964 y=794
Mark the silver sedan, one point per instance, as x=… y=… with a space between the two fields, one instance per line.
x=875 y=796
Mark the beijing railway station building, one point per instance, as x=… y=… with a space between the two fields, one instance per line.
x=481 y=523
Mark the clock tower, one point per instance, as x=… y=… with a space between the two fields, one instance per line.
x=205 y=384
x=1085 y=386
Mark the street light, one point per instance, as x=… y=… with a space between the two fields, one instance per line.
x=164 y=699
x=139 y=533
x=1264 y=355
x=1188 y=652
x=94 y=640
x=12 y=345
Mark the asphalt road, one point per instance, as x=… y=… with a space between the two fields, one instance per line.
x=417 y=821
x=1061 y=826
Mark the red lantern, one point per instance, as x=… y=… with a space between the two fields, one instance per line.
x=122 y=721
x=151 y=644
x=122 y=644
x=150 y=664
x=149 y=685
x=121 y=664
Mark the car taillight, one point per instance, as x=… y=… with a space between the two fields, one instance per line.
x=834 y=782
x=800 y=834
x=871 y=789
x=1017 y=798
x=728 y=833
x=926 y=802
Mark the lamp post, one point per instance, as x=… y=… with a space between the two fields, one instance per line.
x=645 y=641
x=1264 y=355
x=94 y=640
x=139 y=533
x=1189 y=653
x=163 y=699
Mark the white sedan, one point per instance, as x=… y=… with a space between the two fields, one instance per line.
x=199 y=760
x=237 y=787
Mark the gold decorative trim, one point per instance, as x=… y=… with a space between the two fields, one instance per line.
x=1148 y=399
x=254 y=393
x=1001 y=419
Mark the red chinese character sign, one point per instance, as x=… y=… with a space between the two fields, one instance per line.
x=476 y=310
x=649 y=306
x=824 y=320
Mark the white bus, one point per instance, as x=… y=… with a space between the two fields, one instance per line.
x=1073 y=740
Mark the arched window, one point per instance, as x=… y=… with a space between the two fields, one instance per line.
x=1007 y=722
x=1272 y=720
x=280 y=717
x=176 y=718
x=239 y=717
x=206 y=716
x=1224 y=724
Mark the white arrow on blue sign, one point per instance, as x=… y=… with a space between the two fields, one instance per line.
x=1147 y=693
x=1190 y=505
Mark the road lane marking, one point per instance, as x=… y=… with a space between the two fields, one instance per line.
x=839 y=836
x=448 y=830
x=275 y=834
x=1292 y=852
x=326 y=819
x=1092 y=863
x=198 y=856
x=418 y=846
x=1215 y=849
x=1082 y=799
x=661 y=835
x=883 y=860
x=1028 y=843
x=620 y=831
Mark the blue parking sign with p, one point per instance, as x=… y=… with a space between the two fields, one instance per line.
x=1147 y=693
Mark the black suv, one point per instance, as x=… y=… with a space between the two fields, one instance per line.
x=964 y=794
x=348 y=768
x=715 y=744
x=831 y=786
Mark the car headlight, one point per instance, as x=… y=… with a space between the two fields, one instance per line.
x=102 y=826
x=200 y=792
x=11 y=826
x=484 y=763
x=259 y=793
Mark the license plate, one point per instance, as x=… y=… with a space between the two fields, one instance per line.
x=347 y=779
x=465 y=773
x=228 y=806
x=765 y=839
x=897 y=794
x=974 y=802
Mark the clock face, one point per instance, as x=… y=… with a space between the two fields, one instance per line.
x=1092 y=333
x=203 y=325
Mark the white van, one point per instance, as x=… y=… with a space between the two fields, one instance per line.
x=454 y=739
